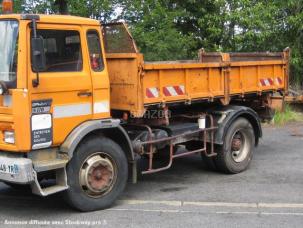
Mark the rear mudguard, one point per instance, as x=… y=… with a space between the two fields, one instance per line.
x=225 y=116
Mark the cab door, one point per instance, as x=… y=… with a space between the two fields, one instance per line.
x=99 y=73
x=64 y=97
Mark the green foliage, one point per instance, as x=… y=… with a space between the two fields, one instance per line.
x=18 y=6
x=154 y=30
x=103 y=10
x=288 y=115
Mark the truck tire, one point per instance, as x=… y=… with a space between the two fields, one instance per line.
x=96 y=175
x=235 y=155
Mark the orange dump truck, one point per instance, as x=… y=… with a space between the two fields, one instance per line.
x=79 y=105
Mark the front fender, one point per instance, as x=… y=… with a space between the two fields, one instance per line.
x=75 y=137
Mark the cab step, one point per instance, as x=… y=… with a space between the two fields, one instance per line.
x=59 y=186
x=48 y=165
x=51 y=190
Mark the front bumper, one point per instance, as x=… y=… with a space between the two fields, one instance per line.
x=23 y=170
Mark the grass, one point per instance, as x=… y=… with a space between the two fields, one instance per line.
x=289 y=115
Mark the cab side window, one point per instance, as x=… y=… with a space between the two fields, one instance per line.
x=62 y=50
x=95 y=51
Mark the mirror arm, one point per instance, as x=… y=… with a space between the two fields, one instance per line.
x=36 y=81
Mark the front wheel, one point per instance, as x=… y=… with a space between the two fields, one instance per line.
x=236 y=153
x=97 y=174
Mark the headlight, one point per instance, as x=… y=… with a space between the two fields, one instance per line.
x=9 y=137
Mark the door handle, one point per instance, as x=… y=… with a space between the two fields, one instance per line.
x=85 y=94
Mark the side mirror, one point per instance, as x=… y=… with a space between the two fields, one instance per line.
x=38 y=55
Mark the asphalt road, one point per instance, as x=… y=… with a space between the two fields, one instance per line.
x=269 y=194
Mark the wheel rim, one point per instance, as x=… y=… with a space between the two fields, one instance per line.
x=239 y=146
x=97 y=175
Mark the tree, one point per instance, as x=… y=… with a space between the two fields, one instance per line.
x=103 y=10
x=153 y=24
x=18 y=6
x=203 y=20
x=62 y=6
x=290 y=31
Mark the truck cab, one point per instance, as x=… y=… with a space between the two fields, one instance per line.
x=73 y=83
x=54 y=88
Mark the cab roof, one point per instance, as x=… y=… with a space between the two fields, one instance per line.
x=57 y=19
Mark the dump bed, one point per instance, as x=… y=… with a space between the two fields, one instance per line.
x=136 y=84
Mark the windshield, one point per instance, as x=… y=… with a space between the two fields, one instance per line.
x=8 y=50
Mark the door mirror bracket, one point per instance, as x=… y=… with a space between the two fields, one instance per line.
x=38 y=54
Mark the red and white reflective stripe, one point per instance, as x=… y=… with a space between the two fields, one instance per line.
x=266 y=82
x=152 y=92
x=270 y=82
x=279 y=81
x=171 y=91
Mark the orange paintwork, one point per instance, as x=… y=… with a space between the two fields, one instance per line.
x=201 y=81
x=7 y=6
x=58 y=19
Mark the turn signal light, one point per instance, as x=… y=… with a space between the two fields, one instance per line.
x=7 y=6
x=9 y=137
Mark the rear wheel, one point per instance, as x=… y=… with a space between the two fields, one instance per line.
x=97 y=174
x=236 y=153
